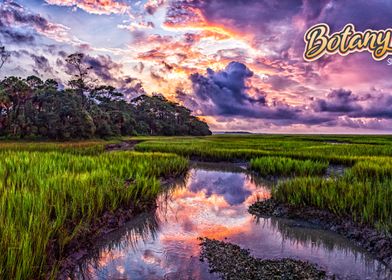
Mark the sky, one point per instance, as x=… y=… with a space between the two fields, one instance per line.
x=237 y=64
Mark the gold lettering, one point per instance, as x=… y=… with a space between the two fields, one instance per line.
x=333 y=43
x=383 y=41
x=318 y=42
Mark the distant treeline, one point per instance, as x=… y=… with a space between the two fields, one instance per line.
x=34 y=108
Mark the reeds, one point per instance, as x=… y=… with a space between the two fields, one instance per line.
x=51 y=192
x=366 y=200
x=364 y=192
x=282 y=166
x=54 y=195
x=229 y=148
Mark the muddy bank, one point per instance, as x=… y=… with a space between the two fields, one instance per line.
x=78 y=248
x=375 y=242
x=233 y=263
x=122 y=146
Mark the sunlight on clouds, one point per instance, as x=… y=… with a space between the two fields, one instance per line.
x=163 y=42
x=98 y=7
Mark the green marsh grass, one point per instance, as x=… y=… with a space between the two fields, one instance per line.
x=45 y=187
x=335 y=150
x=365 y=200
x=43 y=193
x=282 y=166
x=364 y=192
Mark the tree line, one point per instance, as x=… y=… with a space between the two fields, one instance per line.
x=33 y=108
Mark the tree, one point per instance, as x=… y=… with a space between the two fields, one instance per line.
x=81 y=80
x=19 y=93
x=106 y=94
x=32 y=107
x=156 y=115
x=4 y=55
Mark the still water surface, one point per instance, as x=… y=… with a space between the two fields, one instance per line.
x=212 y=202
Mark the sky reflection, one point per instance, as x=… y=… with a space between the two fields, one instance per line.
x=164 y=244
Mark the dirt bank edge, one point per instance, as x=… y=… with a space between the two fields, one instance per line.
x=80 y=246
x=377 y=243
x=232 y=262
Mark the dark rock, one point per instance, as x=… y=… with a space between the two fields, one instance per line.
x=232 y=262
x=376 y=242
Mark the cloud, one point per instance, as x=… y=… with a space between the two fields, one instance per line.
x=345 y=103
x=105 y=70
x=338 y=101
x=280 y=82
x=98 y=7
x=130 y=87
x=41 y=64
x=226 y=86
x=225 y=93
x=103 y=67
x=268 y=84
x=230 y=186
x=377 y=105
x=11 y=36
x=14 y=18
x=152 y=6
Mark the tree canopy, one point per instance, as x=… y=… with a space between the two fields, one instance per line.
x=31 y=107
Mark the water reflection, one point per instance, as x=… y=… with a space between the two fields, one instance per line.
x=213 y=203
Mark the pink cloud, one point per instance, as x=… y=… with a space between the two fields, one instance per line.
x=99 y=7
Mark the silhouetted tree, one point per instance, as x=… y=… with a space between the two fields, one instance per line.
x=81 y=80
x=4 y=55
x=32 y=107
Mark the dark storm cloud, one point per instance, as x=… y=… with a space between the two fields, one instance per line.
x=225 y=93
x=341 y=102
x=11 y=36
x=41 y=64
x=228 y=83
x=103 y=67
x=338 y=101
x=130 y=87
x=377 y=106
x=12 y=13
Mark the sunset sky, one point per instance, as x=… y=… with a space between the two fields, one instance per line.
x=238 y=64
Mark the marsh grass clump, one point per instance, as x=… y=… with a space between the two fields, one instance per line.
x=365 y=200
x=52 y=196
x=282 y=166
x=377 y=168
x=92 y=147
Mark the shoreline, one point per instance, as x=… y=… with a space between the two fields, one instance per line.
x=377 y=243
x=231 y=262
x=80 y=246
